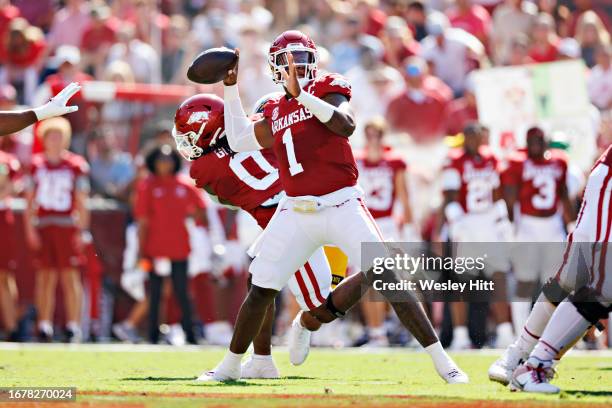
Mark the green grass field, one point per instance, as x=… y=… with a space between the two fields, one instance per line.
x=161 y=376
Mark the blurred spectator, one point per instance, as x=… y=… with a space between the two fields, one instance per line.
x=163 y=203
x=112 y=170
x=345 y=53
x=251 y=14
x=416 y=18
x=373 y=19
x=9 y=168
x=544 y=40
x=472 y=18
x=67 y=60
x=587 y=6
x=142 y=57
x=519 y=52
x=21 y=54
x=151 y=25
x=511 y=19
x=98 y=36
x=8 y=12
x=398 y=41
x=209 y=30
x=462 y=111
x=69 y=24
x=599 y=83
x=568 y=48
x=373 y=83
x=38 y=12
x=176 y=50
x=56 y=194
x=590 y=33
x=452 y=52
x=419 y=111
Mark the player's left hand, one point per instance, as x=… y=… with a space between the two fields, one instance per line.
x=291 y=78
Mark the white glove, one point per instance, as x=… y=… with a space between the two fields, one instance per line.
x=57 y=105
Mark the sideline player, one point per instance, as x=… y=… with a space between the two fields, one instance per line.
x=382 y=175
x=9 y=170
x=56 y=224
x=14 y=121
x=554 y=324
x=476 y=212
x=250 y=181
x=537 y=180
x=308 y=129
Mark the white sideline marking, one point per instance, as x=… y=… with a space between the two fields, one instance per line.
x=146 y=348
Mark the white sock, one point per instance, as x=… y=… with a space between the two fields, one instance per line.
x=564 y=327
x=377 y=332
x=441 y=360
x=520 y=313
x=536 y=323
x=46 y=326
x=460 y=332
x=72 y=325
x=504 y=329
x=261 y=356
x=231 y=362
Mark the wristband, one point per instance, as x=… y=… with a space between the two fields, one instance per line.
x=453 y=211
x=317 y=106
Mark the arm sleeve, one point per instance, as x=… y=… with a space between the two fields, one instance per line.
x=239 y=129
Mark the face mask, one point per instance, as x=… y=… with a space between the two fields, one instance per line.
x=416 y=96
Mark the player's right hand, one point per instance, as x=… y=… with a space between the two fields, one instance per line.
x=57 y=105
x=232 y=75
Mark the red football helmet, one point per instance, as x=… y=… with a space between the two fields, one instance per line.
x=304 y=53
x=198 y=123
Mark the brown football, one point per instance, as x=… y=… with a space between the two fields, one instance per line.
x=211 y=66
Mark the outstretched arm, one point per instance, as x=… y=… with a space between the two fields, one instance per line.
x=243 y=134
x=11 y=122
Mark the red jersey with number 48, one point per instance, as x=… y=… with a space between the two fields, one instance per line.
x=245 y=180
x=55 y=184
x=539 y=182
x=474 y=177
x=312 y=159
x=378 y=182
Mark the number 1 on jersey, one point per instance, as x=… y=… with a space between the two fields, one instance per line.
x=294 y=166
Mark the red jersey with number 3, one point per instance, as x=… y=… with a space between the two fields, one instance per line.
x=312 y=159
x=55 y=184
x=474 y=177
x=245 y=180
x=539 y=182
x=378 y=182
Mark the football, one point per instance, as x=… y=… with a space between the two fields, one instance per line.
x=212 y=65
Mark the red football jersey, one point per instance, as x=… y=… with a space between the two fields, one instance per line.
x=55 y=184
x=312 y=159
x=378 y=181
x=539 y=182
x=245 y=180
x=474 y=177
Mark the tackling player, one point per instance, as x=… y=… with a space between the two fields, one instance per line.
x=537 y=180
x=11 y=122
x=553 y=327
x=382 y=175
x=247 y=180
x=308 y=130
x=56 y=222
x=476 y=212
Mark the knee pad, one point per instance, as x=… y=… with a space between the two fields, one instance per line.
x=588 y=306
x=553 y=292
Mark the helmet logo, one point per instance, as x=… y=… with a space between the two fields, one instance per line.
x=275 y=113
x=196 y=117
x=341 y=83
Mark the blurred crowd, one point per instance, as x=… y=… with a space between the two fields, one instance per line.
x=408 y=61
